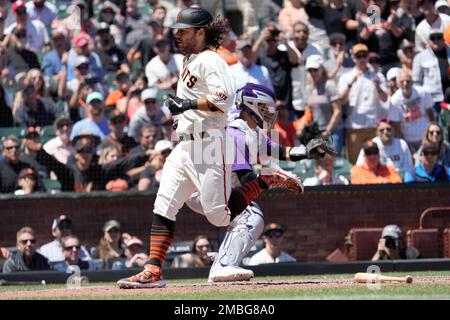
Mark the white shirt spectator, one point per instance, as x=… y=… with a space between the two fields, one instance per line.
x=424 y=28
x=53 y=252
x=365 y=106
x=255 y=74
x=60 y=152
x=298 y=74
x=396 y=154
x=157 y=71
x=140 y=118
x=263 y=257
x=37 y=35
x=411 y=112
x=46 y=15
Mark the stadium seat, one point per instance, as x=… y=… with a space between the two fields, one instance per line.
x=342 y=167
x=48 y=133
x=15 y=131
x=364 y=243
x=51 y=186
x=426 y=241
x=446 y=238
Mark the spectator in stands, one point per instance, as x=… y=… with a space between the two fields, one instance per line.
x=406 y=54
x=60 y=147
x=135 y=253
x=134 y=101
x=36 y=31
x=71 y=250
x=54 y=60
x=34 y=111
x=433 y=135
x=392 y=247
x=323 y=174
x=150 y=114
x=372 y=171
x=25 y=258
x=272 y=252
x=444 y=117
x=442 y=6
x=279 y=63
x=112 y=58
x=433 y=20
x=364 y=90
x=324 y=101
x=77 y=102
x=428 y=169
x=118 y=137
x=110 y=246
x=391 y=77
x=95 y=122
x=410 y=110
x=27 y=181
x=110 y=14
x=18 y=58
x=123 y=84
x=42 y=10
x=393 y=151
x=430 y=67
x=245 y=70
x=287 y=134
x=162 y=71
x=82 y=74
x=339 y=62
x=6 y=117
x=62 y=227
x=12 y=164
x=150 y=177
x=198 y=257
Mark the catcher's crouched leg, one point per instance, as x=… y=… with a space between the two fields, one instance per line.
x=241 y=235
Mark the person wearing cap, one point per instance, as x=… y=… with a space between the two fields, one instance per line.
x=150 y=114
x=364 y=91
x=60 y=147
x=372 y=171
x=118 y=137
x=339 y=61
x=62 y=227
x=245 y=70
x=442 y=6
x=25 y=258
x=410 y=110
x=428 y=169
x=110 y=246
x=95 y=122
x=27 y=181
x=18 y=58
x=112 y=58
x=391 y=78
x=280 y=63
x=324 y=101
x=394 y=151
x=391 y=246
x=42 y=10
x=162 y=71
x=430 y=68
x=110 y=13
x=37 y=36
x=272 y=251
x=135 y=253
x=433 y=20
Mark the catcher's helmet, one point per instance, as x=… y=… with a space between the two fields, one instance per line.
x=259 y=102
x=192 y=18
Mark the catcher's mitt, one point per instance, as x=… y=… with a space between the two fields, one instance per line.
x=318 y=148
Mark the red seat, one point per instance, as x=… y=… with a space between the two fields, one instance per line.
x=364 y=243
x=426 y=241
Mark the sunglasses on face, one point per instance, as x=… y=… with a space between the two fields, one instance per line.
x=361 y=55
x=70 y=248
x=429 y=153
x=150 y=101
x=372 y=152
x=334 y=44
x=275 y=234
x=385 y=129
x=434 y=132
x=17 y=147
x=24 y=242
x=406 y=81
x=436 y=37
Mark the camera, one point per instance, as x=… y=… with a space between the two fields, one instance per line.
x=390 y=243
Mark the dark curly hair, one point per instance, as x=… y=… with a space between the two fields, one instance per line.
x=215 y=32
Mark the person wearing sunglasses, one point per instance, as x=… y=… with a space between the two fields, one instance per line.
x=394 y=151
x=372 y=171
x=434 y=135
x=430 y=68
x=273 y=242
x=364 y=91
x=25 y=258
x=433 y=19
x=71 y=250
x=428 y=169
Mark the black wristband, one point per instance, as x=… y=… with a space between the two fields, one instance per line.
x=190 y=104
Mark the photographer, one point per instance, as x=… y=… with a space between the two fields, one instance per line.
x=391 y=246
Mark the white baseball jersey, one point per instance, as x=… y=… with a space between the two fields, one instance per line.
x=205 y=74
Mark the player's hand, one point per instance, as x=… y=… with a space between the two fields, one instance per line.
x=177 y=105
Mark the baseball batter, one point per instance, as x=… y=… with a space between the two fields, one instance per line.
x=200 y=162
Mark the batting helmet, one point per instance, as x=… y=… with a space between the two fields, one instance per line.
x=259 y=102
x=192 y=18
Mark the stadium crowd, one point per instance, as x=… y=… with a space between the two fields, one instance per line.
x=82 y=86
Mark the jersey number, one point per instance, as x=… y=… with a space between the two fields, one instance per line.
x=188 y=78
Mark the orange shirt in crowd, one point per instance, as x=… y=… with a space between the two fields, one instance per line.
x=287 y=134
x=113 y=97
x=447 y=34
x=305 y=120
x=361 y=174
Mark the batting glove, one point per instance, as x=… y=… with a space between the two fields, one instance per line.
x=177 y=105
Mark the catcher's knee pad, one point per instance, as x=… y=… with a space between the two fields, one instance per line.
x=241 y=235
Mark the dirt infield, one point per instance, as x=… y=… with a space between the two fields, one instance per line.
x=111 y=291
